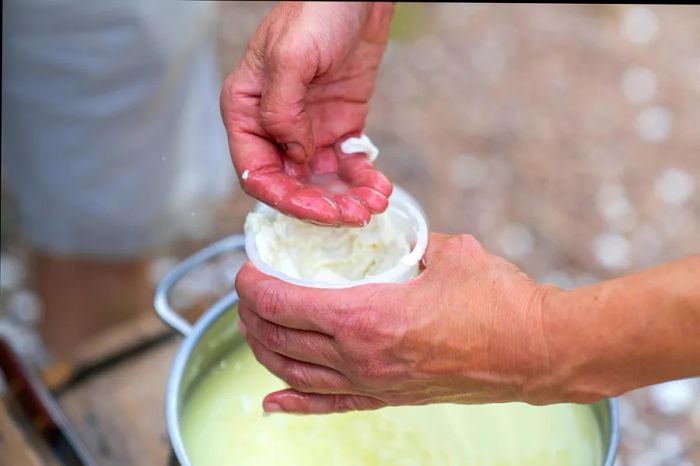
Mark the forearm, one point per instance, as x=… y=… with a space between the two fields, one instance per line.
x=621 y=334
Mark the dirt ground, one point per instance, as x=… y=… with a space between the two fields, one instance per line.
x=566 y=138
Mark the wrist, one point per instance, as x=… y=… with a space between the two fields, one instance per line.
x=567 y=325
x=542 y=385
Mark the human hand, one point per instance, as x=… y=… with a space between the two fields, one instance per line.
x=469 y=329
x=301 y=87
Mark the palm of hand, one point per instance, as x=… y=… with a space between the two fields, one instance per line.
x=288 y=105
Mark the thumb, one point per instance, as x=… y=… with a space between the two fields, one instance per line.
x=292 y=401
x=283 y=103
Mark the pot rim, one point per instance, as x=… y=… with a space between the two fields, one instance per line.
x=177 y=369
x=614 y=410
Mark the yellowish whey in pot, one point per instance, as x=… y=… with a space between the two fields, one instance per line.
x=318 y=253
x=223 y=425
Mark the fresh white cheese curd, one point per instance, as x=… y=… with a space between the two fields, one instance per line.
x=324 y=254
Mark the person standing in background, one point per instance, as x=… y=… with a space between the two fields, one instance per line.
x=112 y=144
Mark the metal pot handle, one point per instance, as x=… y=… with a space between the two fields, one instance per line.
x=160 y=300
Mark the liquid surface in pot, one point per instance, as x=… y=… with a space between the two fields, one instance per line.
x=223 y=425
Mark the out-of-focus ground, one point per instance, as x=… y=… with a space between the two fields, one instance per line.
x=566 y=138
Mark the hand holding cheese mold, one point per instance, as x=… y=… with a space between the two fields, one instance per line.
x=346 y=319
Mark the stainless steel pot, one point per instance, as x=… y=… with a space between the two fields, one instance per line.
x=215 y=334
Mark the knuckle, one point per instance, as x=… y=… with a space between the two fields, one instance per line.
x=381 y=330
x=297 y=378
x=225 y=96
x=367 y=374
x=269 y=300
x=342 y=403
x=232 y=94
x=373 y=370
x=229 y=86
x=286 y=54
x=365 y=339
x=274 y=116
x=273 y=337
x=358 y=323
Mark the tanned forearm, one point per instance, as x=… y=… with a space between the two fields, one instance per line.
x=621 y=334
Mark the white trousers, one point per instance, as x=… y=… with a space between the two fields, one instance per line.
x=112 y=139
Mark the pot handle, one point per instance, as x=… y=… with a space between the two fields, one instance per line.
x=160 y=300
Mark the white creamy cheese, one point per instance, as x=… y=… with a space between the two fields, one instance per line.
x=362 y=144
x=318 y=253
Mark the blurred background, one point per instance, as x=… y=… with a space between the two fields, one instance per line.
x=565 y=138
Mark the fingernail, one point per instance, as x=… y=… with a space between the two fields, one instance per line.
x=295 y=151
x=272 y=407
